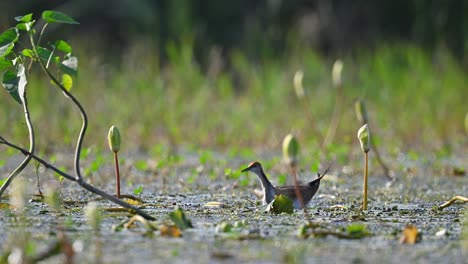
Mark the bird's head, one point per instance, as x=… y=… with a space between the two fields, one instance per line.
x=254 y=167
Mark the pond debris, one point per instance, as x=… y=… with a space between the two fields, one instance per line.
x=221 y=255
x=451 y=201
x=169 y=230
x=224 y=227
x=410 y=235
x=180 y=220
x=216 y=205
x=352 y=231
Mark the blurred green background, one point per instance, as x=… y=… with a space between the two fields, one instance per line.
x=219 y=74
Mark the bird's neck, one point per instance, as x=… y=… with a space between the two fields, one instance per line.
x=268 y=188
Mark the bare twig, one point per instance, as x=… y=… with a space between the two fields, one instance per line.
x=82 y=183
x=454 y=199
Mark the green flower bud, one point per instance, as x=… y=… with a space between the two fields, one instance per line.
x=364 y=138
x=290 y=149
x=93 y=215
x=298 y=88
x=114 y=139
x=53 y=198
x=18 y=195
x=361 y=112
x=336 y=73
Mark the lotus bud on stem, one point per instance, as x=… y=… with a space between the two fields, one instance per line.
x=114 y=144
x=298 y=88
x=364 y=138
x=290 y=157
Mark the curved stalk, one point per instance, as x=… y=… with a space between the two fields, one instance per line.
x=26 y=161
x=83 y=184
x=84 y=117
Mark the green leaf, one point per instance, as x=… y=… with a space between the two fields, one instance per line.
x=25 y=18
x=138 y=190
x=25 y=26
x=67 y=81
x=179 y=219
x=69 y=66
x=27 y=53
x=5 y=64
x=63 y=46
x=57 y=17
x=44 y=53
x=15 y=83
x=7 y=40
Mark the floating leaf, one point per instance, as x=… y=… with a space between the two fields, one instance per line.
x=57 y=17
x=224 y=227
x=63 y=46
x=25 y=18
x=179 y=219
x=281 y=204
x=7 y=40
x=357 y=230
x=410 y=235
x=67 y=81
x=5 y=64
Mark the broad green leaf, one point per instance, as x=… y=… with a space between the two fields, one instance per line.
x=63 y=46
x=67 y=81
x=15 y=83
x=28 y=53
x=25 y=18
x=69 y=66
x=57 y=17
x=27 y=26
x=5 y=64
x=7 y=40
x=44 y=53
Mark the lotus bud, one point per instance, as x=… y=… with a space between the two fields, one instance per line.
x=336 y=73
x=298 y=88
x=114 y=139
x=290 y=149
x=93 y=215
x=361 y=112
x=364 y=138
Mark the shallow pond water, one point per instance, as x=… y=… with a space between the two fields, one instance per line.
x=257 y=236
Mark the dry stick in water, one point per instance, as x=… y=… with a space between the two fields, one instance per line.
x=366 y=171
x=79 y=181
x=298 y=192
x=454 y=199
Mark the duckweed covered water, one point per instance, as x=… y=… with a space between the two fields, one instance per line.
x=254 y=236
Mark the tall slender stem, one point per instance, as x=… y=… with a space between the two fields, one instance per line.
x=117 y=174
x=366 y=165
x=84 y=117
x=26 y=161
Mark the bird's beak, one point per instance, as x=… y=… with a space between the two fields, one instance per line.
x=246 y=169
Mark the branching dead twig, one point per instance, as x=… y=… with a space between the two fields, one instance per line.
x=82 y=183
x=454 y=199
